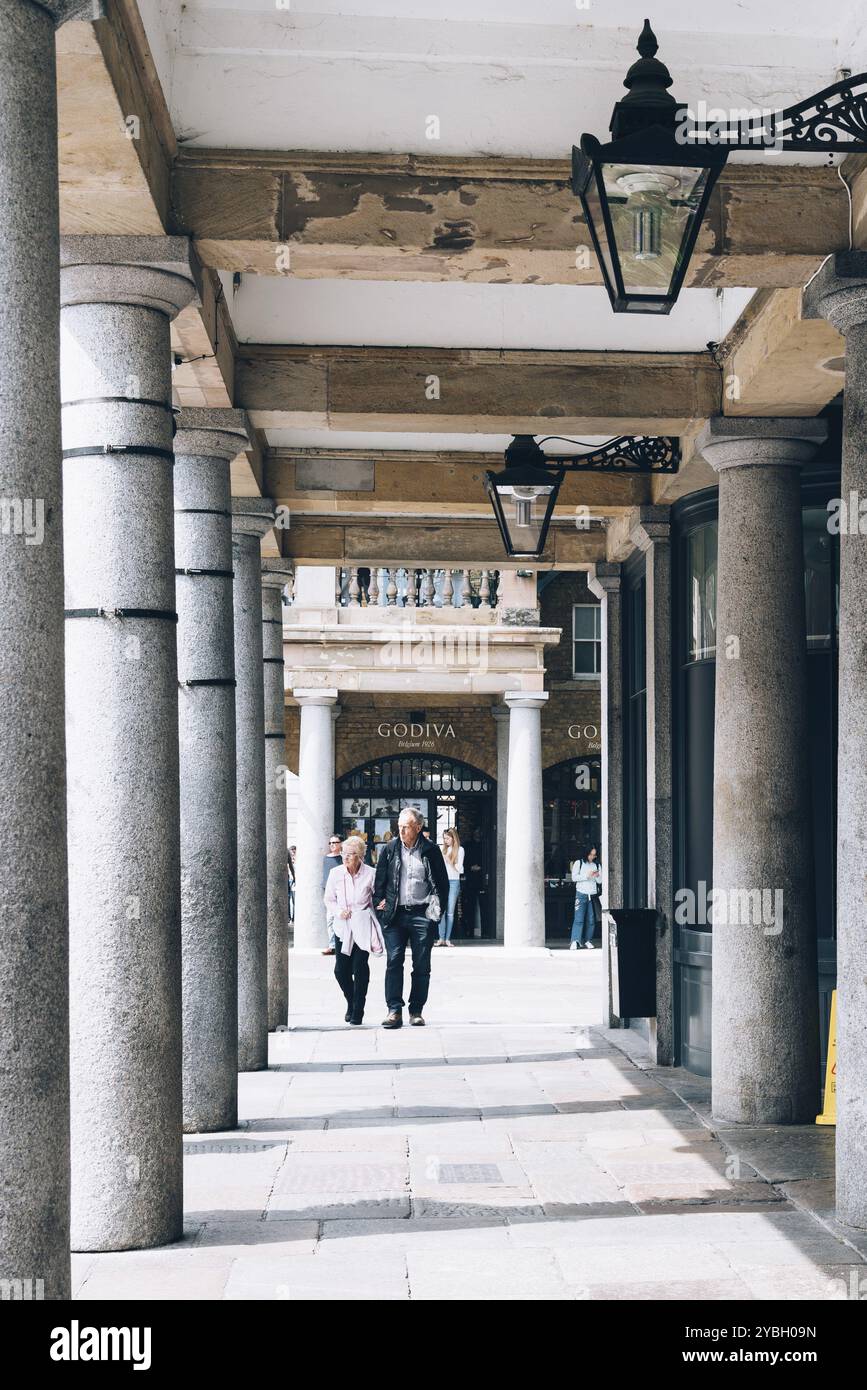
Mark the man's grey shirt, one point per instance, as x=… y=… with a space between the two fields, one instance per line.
x=414 y=887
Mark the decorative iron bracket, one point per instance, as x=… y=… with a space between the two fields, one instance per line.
x=626 y=454
x=833 y=121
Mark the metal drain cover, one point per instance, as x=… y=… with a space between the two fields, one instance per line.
x=469 y=1173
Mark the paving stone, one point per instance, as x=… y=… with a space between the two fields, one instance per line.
x=295 y=1206
x=490 y=1233
x=624 y=1264
x=245 y=1238
x=367 y=1276
x=503 y=1275
x=786 y=1154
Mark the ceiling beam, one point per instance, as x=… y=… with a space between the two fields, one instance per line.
x=463 y=390
x=776 y=362
x=409 y=217
x=416 y=483
x=429 y=544
x=116 y=149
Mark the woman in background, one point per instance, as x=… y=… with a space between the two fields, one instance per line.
x=587 y=877
x=348 y=901
x=454 y=857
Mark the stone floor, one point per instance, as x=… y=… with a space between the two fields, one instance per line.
x=508 y=1150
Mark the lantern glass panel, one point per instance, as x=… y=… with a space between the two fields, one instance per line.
x=525 y=510
x=653 y=212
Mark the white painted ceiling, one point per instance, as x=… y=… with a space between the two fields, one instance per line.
x=519 y=77
x=503 y=77
x=457 y=315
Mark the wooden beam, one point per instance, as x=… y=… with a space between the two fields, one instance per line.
x=516 y=220
x=775 y=362
x=417 y=483
x=436 y=389
x=116 y=151
x=428 y=544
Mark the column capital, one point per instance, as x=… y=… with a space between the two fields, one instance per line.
x=838 y=291
x=756 y=441
x=605 y=578
x=62 y=10
x=499 y=712
x=652 y=527
x=252 y=516
x=307 y=695
x=276 y=572
x=525 y=699
x=153 y=272
x=203 y=433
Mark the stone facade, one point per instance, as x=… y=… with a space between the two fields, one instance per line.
x=385 y=725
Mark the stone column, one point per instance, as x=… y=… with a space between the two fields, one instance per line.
x=34 y=1032
x=205 y=443
x=651 y=534
x=252 y=518
x=118 y=296
x=839 y=294
x=765 y=1033
x=605 y=583
x=524 y=921
x=501 y=715
x=276 y=574
x=315 y=813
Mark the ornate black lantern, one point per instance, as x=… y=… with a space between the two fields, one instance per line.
x=523 y=497
x=645 y=193
x=525 y=494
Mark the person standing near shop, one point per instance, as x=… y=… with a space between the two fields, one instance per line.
x=587 y=877
x=348 y=897
x=411 y=892
x=453 y=856
x=333 y=859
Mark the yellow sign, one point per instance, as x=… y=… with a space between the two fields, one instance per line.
x=829 y=1111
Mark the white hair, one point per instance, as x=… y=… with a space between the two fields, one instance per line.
x=355 y=843
x=411 y=811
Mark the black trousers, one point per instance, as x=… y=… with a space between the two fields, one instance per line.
x=416 y=931
x=352 y=973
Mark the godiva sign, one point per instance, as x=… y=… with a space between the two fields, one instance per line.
x=416 y=735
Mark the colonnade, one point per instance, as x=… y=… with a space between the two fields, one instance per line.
x=765 y=1064
x=130 y=742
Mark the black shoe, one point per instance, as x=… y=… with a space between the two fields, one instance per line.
x=357 y=1022
x=347 y=1017
x=416 y=1020
x=394 y=1020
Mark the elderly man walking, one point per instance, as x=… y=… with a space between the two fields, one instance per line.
x=411 y=892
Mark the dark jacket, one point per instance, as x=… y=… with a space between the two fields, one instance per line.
x=330 y=862
x=387 y=882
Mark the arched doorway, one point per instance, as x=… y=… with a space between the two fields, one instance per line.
x=572 y=799
x=450 y=795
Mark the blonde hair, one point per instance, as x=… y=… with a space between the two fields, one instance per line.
x=354 y=842
x=452 y=852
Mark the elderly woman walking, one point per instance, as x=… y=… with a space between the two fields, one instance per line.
x=348 y=899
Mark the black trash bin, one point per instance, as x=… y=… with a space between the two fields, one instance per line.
x=632 y=944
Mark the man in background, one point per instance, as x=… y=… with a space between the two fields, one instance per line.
x=331 y=861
